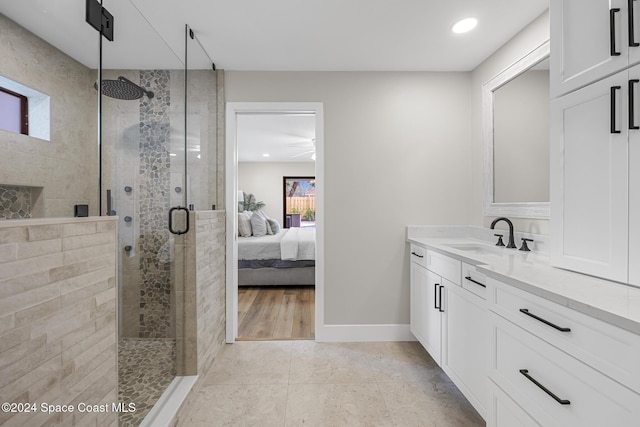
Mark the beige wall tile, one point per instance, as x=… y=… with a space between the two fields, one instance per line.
x=59 y=332
x=9 y=252
x=15 y=285
x=79 y=229
x=17 y=302
x=37 y=312
x=18 y=268
x=85 y=241
x=39 y=248
x=13 y=235
x=44 y=232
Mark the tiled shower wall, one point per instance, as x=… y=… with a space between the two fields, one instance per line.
x=64 y=169
x=58 y=337
x=204 y=297
x=154 y=195
x=206 y=276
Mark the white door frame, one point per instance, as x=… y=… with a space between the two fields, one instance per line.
x=233 y=109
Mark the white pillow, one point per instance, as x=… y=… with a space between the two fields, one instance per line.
x=244 y=225
x=263 y=214
x=258 y=225
x=275 y=225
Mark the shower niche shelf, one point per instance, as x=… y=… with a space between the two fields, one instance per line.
x=20 y=202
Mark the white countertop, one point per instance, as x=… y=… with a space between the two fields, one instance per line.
x=611 y=302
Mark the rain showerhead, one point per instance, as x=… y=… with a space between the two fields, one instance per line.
x=123 y=88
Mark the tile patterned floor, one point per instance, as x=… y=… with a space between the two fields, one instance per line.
x=306 y=383
x=146 y=367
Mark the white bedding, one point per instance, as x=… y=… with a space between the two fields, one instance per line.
x=290 y=244
x=298 y=244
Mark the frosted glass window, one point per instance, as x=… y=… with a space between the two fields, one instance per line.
x=35 y=110
x=13 y=112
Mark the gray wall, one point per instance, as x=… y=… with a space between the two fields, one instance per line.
x=524 y=42
x=396 y=153
x=264 y=180
x=66 y=167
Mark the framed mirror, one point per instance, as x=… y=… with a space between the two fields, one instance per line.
x=515 y=124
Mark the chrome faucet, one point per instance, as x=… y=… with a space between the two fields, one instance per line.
x=511 y=243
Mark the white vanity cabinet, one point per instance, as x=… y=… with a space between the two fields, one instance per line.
x=553 y=366
x=450 y=321
x=591 y=40
x=425 y=310
x=465 y=356
x=428 y=290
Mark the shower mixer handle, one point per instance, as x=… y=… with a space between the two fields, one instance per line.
x=186 y=228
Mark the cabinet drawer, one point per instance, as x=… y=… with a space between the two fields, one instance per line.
x=609 y=349
x=474 y=281
x=444 y=266
x=418 y=255
x=505 y=412
x=556 y=389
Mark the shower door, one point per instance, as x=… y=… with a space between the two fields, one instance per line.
x=143 y=182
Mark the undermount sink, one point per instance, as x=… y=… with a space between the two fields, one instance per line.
x=478 y=248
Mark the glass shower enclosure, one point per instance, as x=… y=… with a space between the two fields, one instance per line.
x=158 y=143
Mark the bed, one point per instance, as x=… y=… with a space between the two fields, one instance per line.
x=286 y=258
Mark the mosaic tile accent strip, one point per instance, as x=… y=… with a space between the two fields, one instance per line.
x=146 y=367
x=15 y=202
x=154 y=191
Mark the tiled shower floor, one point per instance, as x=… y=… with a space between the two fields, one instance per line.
x=146 y=367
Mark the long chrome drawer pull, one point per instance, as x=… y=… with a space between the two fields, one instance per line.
x=475 y=281
x=419 y=256
x=525 y=372
x=546 y=322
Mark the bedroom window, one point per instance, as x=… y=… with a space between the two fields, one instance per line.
x=14 y=111
x=299 y=201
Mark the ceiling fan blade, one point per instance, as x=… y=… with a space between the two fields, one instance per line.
x=304 y=154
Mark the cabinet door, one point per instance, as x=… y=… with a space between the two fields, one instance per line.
x=634 y=185
x=589 y=178
x=634 y=31
x=465 y=345
x=425 y=315
x=582 y=33
x=419 y=302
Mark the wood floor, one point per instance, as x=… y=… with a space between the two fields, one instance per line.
x=276 y=313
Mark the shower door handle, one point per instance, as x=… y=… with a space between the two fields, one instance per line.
x=186 y=227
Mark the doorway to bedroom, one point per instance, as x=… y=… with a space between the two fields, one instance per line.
x=274 y=248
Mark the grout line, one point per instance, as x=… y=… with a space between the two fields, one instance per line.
x=286 y=401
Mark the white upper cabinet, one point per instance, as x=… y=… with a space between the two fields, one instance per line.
x=590 y=40
x=634 y=187
x=589 y=178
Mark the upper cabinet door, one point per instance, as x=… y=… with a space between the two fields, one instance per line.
x=589 y=41
x=589 y=179
x=633 y=13
x=634 y=181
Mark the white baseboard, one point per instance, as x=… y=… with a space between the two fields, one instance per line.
x=363 y=333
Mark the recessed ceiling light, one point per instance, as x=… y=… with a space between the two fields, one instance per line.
x=464 y=25
x=266 y=155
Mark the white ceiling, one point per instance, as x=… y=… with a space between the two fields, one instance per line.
x=336 y=35
x=284 y=35
x=285 y=137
